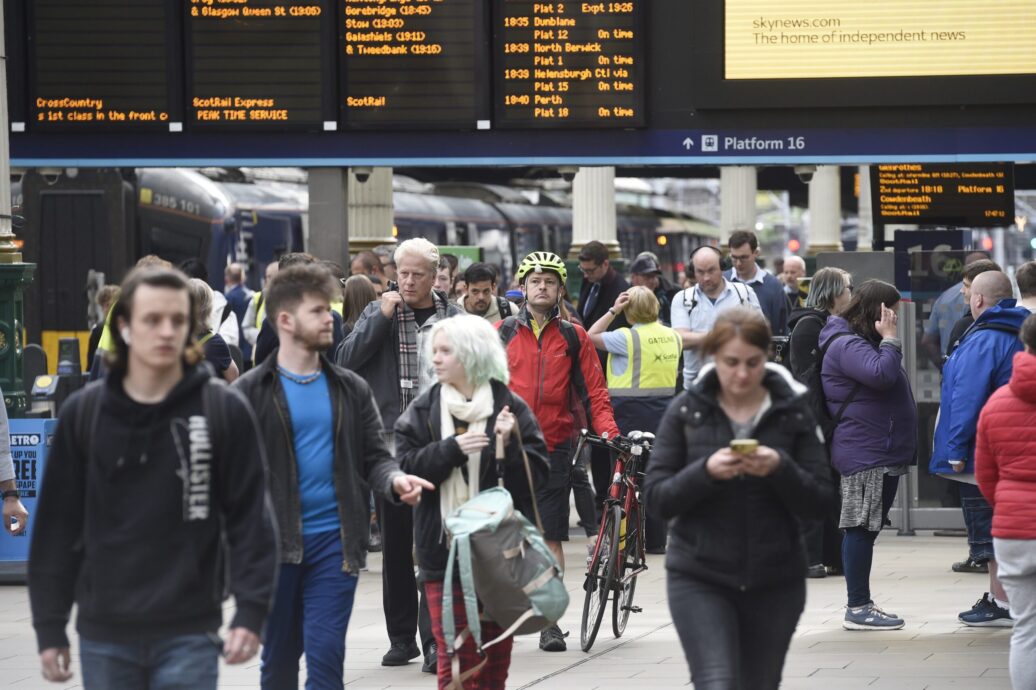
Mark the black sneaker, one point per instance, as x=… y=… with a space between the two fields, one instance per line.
x=970 y=565
x=816 y=571
x=553 y=640
x=986 y=614
x=431 y=659
x=400 y=653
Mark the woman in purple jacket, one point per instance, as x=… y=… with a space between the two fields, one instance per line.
x=869 y=398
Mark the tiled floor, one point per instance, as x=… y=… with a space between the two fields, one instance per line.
x=911 y=577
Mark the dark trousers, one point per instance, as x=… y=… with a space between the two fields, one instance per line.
x=583 y=492
x=643 y=414
x=311 y=611
x=858 y=549
x=734 y=640
x=978 y=518
x=404 y=614
x=822 y=537
x=492 y=676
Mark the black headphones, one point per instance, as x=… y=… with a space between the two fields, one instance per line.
x=723 y=263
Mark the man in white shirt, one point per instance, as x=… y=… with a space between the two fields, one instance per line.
x=694 y=310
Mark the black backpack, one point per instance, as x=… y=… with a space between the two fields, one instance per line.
x=505 y=307
x=509 y=329
x=810 y=377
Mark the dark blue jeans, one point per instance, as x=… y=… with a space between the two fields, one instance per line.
x=181 y=662
x=978 y=518
x=311 y=611
x=858 y=549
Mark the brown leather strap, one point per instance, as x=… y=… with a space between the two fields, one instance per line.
x=528 y=476
x=456 y=677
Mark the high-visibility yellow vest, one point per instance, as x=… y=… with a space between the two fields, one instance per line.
x=337 y=306
x=105 y=342
x=653 y=355
x=260 y=308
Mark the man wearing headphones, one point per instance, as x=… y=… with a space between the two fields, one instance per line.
x=695 y=309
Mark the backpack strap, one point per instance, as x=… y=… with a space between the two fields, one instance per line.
x=508 y=329
x=214 y=408
x=856 y=387
x=226 y=313
x=577 y=378
x=694 y=300
x=504 y=306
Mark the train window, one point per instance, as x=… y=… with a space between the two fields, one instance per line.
x=174 y=246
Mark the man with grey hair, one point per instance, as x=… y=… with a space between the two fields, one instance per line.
x=385 y=348
x=794 y=271
x=981 y=363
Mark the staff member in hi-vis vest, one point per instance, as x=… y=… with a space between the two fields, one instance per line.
x=643 y=365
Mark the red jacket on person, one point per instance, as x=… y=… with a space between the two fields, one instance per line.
x=541 y=373
x=1005 y=452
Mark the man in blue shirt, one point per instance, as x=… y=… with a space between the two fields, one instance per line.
x=323 y=436
x=744 y=250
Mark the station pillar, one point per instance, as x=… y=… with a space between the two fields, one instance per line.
x=825 y=211
x=865 y=232
x=737 y=189
x=371 y=214
x=328 y=214
x=593 y=210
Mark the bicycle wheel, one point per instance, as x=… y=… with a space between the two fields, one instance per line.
x=599 y=578
x=631 y=558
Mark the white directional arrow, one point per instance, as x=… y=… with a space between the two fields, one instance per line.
x=688 y=143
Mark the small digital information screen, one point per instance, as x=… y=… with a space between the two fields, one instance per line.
x=414 y=65
x=814 y=39
x=959 y=194
x=99 y=65
x=259 y=64
x=568 y=64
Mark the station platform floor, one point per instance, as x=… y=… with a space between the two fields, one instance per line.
x=911 y=577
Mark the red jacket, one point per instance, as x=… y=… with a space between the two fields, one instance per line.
x=541 y=373
x=1005 y=452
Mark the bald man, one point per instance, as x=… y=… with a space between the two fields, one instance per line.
x=794 y=270
x=979 y=365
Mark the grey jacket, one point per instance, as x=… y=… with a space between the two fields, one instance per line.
x=362 y=460
x=372 y=351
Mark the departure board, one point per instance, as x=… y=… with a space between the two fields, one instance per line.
x=970 y=195
x=568 y=64
x=419 y=65
x=100 y=65
x=260 y=64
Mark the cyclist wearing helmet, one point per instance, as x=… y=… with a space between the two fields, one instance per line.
x=549 y=358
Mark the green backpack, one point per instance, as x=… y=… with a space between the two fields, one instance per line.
x=504 y=561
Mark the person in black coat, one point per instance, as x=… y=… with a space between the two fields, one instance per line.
x=830 y=292
x=449 y=436
x=736 y=564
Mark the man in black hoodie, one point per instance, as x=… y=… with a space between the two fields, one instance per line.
x=155 y=481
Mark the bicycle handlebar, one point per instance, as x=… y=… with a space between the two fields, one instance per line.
x=620 y=444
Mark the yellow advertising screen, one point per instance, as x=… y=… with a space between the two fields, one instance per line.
x=815 y=39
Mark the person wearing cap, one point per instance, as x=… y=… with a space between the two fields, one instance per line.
x=645 y=272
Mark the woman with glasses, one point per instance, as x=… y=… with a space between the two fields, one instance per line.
x=829 y=293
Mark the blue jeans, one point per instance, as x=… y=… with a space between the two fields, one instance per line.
x=181 y=662
x=858 y=549
x=311 y=611
x=978 y=518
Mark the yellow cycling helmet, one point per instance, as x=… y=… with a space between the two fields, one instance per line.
x=538 y=262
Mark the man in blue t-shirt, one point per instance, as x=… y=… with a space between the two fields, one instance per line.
x=323 y=437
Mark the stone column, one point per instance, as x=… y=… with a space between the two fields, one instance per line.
x=371 y=215
x=737 y=189
x=825 y=211
x=328 y=215
x=865 y=234
x=593 y=210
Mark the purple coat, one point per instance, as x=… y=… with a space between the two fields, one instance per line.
x=879 y=427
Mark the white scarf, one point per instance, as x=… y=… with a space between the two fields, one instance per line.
x=455 y=492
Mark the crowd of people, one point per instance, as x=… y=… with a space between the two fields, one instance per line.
x=364 y=410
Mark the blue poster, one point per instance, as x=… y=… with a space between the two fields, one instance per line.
x=30 y=442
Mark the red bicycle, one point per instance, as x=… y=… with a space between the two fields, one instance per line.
x=618 y=556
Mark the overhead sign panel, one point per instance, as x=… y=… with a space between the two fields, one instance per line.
x=959 y=194
x=815 y=39
x=418 y=65
x=259 y=64
x=100 y=66
x=569 y=64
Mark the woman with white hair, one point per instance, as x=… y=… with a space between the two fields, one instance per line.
x=447 y=437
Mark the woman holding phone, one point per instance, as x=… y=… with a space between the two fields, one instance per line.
x=875 y=434
x=738 y=460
